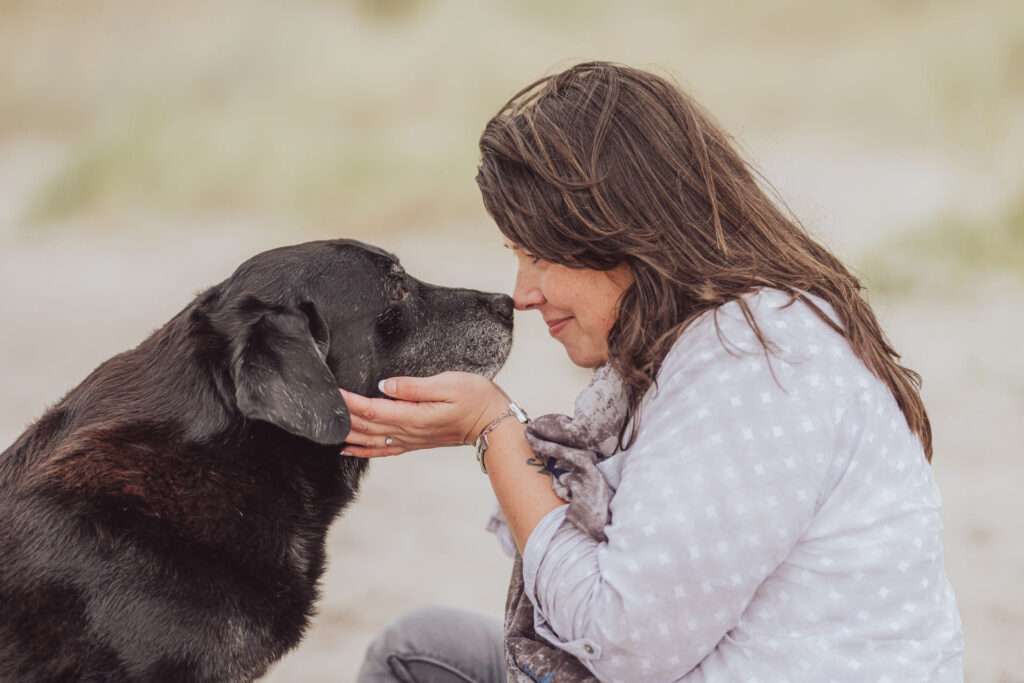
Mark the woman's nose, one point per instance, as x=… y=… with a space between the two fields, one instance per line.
x=526 y=294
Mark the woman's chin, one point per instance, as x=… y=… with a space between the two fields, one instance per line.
x=585 y=358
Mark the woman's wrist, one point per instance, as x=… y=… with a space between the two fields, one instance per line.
x=523 y=492
x=497 y=405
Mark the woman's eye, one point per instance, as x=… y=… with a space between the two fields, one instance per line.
x=400 y=294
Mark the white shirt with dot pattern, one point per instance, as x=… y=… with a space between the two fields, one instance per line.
x=775 y=520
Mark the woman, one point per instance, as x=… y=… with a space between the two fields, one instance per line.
x=771 y=513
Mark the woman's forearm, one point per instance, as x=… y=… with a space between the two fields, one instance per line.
x=521 y=484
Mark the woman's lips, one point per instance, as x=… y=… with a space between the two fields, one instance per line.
x=556 y=326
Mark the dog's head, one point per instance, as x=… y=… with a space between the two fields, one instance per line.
x=302 y=321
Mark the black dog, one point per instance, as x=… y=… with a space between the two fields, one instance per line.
x=166 y=520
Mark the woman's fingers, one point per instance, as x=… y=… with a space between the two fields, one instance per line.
x=360 y=405
x=371 y=414
x=381 y=437
x=443 y=388
x=367 y=429
x=364 y=452
x=370 y=440
x=415 y=389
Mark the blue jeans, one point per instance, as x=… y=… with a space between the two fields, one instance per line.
x=437 y=645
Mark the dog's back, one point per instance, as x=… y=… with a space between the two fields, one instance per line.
x=130 y=554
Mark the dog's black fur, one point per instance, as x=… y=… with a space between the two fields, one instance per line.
x=165 y=521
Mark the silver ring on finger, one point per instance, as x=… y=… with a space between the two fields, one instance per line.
x=388 y=441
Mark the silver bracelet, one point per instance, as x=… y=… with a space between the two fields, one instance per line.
x=483 y=443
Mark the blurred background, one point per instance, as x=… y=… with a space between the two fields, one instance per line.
x=147 y=148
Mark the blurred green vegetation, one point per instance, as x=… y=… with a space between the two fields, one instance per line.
x=945 y=256
x=364 y=115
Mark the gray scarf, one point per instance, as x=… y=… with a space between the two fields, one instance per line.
x=570 y=448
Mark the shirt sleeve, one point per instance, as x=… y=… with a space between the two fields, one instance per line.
x=731 y=457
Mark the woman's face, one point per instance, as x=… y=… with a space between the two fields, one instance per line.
x=578 y=305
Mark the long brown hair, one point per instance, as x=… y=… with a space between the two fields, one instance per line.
x=604 y=164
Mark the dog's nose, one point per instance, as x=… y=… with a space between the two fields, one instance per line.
x=500 y=304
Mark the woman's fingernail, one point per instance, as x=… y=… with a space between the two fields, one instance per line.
x=348 y=453
x=382 y=385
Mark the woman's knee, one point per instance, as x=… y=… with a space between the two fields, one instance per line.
x=436 y=645
x=420 y=630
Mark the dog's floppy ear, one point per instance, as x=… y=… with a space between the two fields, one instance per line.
x=281 y=377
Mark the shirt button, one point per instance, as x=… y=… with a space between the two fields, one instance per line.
x=588 y=648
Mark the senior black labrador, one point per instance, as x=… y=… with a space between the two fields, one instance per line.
x=165 y=521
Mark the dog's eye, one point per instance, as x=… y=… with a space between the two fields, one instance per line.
x=400 y=294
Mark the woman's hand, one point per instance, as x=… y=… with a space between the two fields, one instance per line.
x=444 y=410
